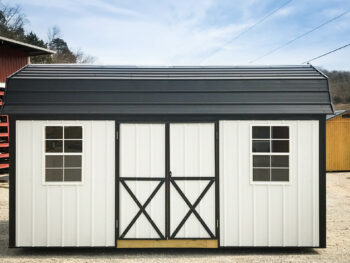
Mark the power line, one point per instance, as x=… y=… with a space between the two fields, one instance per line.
x=325 y=54
x=300 y=36
x=248 y=29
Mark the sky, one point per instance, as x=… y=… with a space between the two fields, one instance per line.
x=196 y=32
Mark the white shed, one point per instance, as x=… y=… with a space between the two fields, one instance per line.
x=106 y=156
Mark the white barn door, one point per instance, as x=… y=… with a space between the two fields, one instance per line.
x=192 y=180
x=142 y=181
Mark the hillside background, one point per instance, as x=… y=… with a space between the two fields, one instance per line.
x=340 y=88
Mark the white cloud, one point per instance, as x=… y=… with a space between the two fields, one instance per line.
x=186 y=32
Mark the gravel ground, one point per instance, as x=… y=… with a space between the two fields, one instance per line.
x=338 y=239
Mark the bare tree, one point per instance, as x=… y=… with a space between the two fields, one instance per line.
x=53 y=33
x=82 y=58
x=12 y=21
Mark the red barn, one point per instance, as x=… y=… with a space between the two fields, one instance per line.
x=13 y=56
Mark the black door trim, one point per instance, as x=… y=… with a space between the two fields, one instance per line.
x=168 y=180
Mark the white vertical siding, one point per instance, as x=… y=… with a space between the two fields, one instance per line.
x=65 y=215
x=262 y=214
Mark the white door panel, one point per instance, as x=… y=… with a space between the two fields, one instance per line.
x=192 y=180
x=142 y=150
x=142 y=181
x=192 y=149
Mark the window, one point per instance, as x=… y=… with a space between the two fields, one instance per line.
x=270 y=153
x=63 y=153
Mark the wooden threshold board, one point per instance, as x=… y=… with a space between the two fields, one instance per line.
x=174 y=243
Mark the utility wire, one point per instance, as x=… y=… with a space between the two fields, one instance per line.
x=300 y=36
x=248 y=29
x=325 y=54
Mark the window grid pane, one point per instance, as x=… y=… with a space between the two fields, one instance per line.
x=270 y=154
x=54 y=146
x=261 y=132
x=73 y=132
x=54 y=132
x=59 y=166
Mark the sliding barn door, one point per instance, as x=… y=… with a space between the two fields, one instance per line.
x=192 y=180
x=142 y=181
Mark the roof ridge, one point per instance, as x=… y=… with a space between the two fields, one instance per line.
x=78 y=71
x=68 y=65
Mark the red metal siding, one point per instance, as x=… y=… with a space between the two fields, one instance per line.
x=11 y=60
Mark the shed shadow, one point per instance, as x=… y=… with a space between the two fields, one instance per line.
x=137 y=253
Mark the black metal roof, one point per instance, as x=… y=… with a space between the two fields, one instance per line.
x=80 y=89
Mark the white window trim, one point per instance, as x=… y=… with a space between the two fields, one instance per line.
x=81 y=182
x=251 y=153
x=2 y=84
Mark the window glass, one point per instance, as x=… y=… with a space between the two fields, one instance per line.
x=261 y=161
x=279 y=161
x=73 y=146
x=261 y=132
x=280 y=175
x=54 y=132
x=73 y=132
x=261 y=146
x=280 y=146
x=261 y=174
x=54 y=175
x=270 y=153
x=54 y=161
x=72 y=175
x=280 y=132
x=63 y=148
x=53 y=146
x=72 y=161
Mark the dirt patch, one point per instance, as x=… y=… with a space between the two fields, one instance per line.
x=338 y=241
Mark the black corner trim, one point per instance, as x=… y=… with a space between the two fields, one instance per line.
x=322 y=182
x=12 y=184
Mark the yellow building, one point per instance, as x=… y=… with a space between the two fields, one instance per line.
x=338 y=141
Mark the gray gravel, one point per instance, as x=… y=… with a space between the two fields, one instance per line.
x=338 y=238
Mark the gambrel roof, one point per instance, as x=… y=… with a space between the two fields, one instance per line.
x=82 y=89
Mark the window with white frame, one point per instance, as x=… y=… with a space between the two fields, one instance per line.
x=270 y=153
x=63 y=153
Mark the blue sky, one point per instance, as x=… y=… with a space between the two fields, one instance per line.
x=193 y=32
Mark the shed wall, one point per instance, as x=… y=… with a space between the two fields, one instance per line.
x=338 y=144
x=269 y=214
x=11 y=60
x=65 y=215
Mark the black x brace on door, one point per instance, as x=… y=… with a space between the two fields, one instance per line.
x=169 y=181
